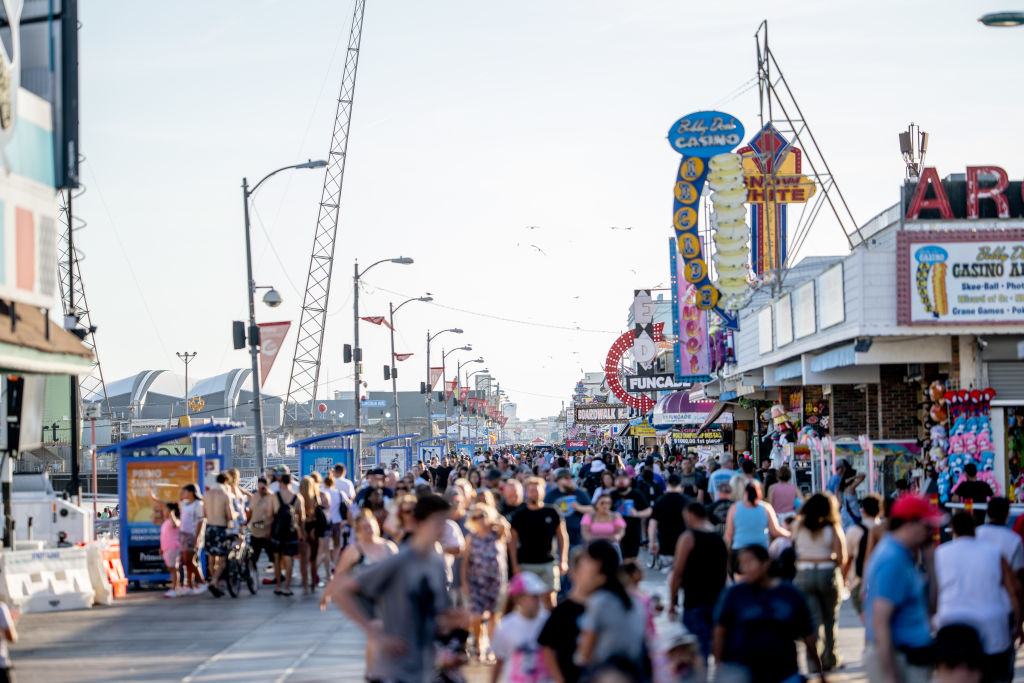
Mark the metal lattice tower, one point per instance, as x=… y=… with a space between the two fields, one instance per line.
x=72 y=297
x=309 y=343
x=779 y=107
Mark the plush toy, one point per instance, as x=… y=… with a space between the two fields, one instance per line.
x=990 y=479
x=943 y=484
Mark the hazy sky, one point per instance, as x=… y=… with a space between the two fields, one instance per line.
x=473 y=120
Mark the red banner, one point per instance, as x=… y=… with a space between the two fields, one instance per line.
x=377 y=320
x=463 y=393
x=271 y=337
x=402 y=356
x=449 y=389
x=435 y=374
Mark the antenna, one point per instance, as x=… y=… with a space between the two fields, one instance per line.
x=913 y=145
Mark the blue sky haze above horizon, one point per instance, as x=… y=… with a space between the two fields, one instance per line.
x=472 y=121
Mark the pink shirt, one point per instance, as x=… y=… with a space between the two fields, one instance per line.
x=603 y=529
x=169 y=537
x=784 y=497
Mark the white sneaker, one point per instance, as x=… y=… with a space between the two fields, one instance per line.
x=199 y=590
x=171 y=594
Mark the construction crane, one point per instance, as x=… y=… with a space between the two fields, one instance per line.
x=305 y=375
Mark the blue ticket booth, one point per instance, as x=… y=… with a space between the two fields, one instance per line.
x=317 y=456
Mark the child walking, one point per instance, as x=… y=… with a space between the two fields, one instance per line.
x=170 y=546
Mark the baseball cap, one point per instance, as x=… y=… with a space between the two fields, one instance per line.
x=495 y=473
x=843 y=462
x=563 y=473
x=915 y=508
x=525 y=583
x=597 y=466
x=283 y=469
x=376 y=472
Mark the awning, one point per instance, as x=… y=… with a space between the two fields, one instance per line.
x=153 y=440
x=839 y=357
x=325 y=437
x=715 y=413
x=788 y=370
x=678 y=408
x=35 y=344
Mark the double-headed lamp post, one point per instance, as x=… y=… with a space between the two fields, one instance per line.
x=476 y=420
x=444 y=386
x=458 y=371
x=186 y=357
x=430 y=389
x=357 y=354
x=271 y=298
x=392 y=309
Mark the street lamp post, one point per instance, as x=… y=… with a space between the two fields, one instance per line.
x=444 y=386
x=357 y=354
x=458 y=371
x=186 y=358
x=272 y=299
x=392 y=309
x=430 y=388
x=476 y=416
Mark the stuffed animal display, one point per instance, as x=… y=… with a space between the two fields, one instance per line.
x=963 y=435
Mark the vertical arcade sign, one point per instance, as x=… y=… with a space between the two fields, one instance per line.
x=690 y=325
x=163 y=477
x=698 y=137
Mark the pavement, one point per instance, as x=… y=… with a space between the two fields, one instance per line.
x=146 y=637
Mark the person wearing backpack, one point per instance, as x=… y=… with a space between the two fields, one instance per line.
x=857 y=546
x=286 y=530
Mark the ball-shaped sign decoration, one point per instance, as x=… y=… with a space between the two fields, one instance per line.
x=322 y=407
x=624 y=343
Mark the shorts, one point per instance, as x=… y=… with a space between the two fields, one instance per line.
x=261 y=545
x=905 y=671
x=172 y=558
x=287 y=548
x=547 y=572
x=335 y=532
x=218 y=544
x=187 y=542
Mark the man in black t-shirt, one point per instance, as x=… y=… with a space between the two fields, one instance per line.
x=699 y=571
x=535 y=526
x=634 y=508
x=666 y=524
x=558 y=637
x=973 y=490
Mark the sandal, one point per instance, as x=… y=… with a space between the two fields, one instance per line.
x=278 y=592
x=287 y=594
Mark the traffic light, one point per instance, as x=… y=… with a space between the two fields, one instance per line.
x=358 y=355
x=238 y=333
x=423 y=388
x=387 y=373
x=394 y=372
x=346 y=353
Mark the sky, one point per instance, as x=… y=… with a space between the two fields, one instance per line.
x=473 y=120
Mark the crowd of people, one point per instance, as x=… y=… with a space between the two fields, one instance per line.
x=529 y=562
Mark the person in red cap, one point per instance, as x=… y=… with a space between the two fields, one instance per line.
x=899 y=639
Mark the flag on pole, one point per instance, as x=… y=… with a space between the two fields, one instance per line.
x=402 y=356
x=450 y=388
x=463 y=393
x=377 y=320
x=271 y=337
x=435 y=374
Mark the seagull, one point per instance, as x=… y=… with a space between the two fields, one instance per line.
x=632 y=271
x=533 y=227
x=538 y=249
x=618 y=228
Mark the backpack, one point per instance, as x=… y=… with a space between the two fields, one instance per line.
x=285 y=526
x=862 y=550
x=321 y=523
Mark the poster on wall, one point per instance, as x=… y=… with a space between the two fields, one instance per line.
x=689 y=324
x=323 y=460
x=141 y=478
x=955 y=278
x=395 y=458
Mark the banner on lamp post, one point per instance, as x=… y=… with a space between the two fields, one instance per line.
x=435 y=374
x=449 y=388
x=271 y=337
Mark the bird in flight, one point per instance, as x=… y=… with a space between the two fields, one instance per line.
x=533 y=227
x=614 y=227
x=538 y=249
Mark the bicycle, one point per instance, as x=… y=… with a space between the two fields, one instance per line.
x=240 y=567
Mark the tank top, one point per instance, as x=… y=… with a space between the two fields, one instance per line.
x=704 y=575
x=750 y=526
x=811 y=546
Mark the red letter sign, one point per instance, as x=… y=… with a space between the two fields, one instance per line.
x=993 y=192
x=930 y=178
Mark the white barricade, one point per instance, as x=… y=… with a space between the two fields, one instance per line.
x=98 y=572
x=46 y=581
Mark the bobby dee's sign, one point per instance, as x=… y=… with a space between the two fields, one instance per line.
x=663 y=382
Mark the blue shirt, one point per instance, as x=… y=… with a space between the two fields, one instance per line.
x=892 y=575
x=718 y=478
x=833 y=484
x=750 y=526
